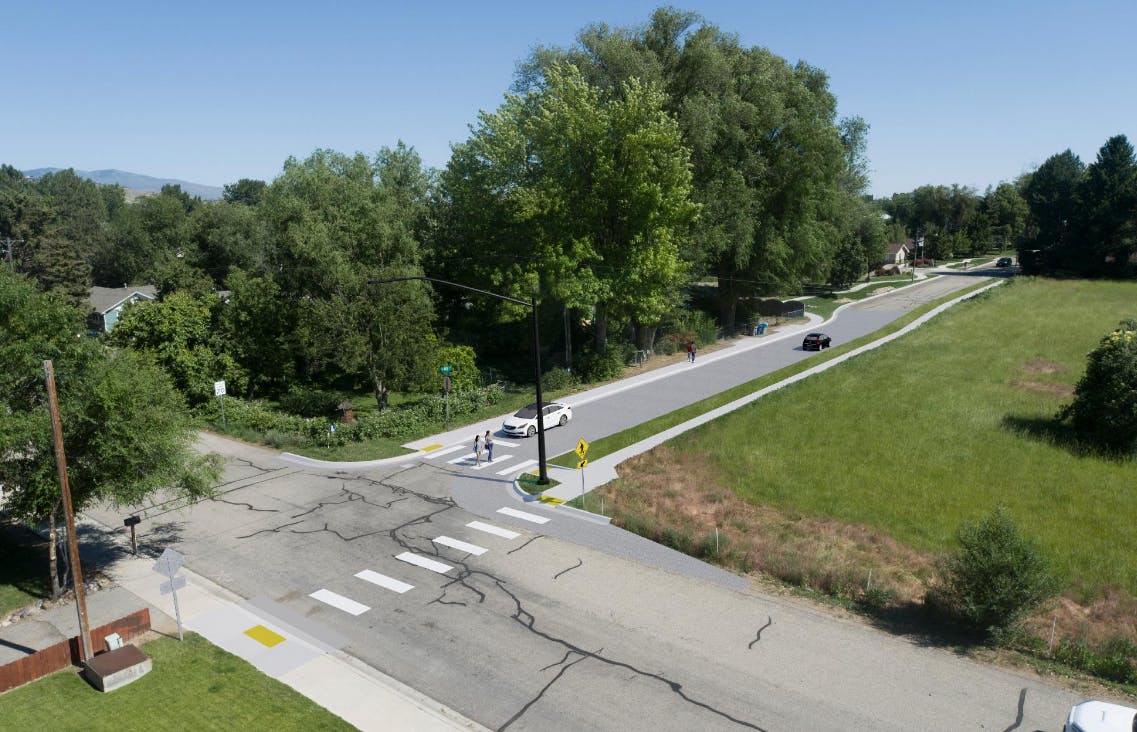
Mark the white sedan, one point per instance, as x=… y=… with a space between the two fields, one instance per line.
x=1098 y=716
x=524 y=423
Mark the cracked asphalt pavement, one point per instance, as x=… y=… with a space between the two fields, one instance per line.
x=541 y=633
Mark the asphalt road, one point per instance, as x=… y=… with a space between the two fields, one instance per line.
x=523 y=630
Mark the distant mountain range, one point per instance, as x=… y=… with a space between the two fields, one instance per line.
x=135 y=182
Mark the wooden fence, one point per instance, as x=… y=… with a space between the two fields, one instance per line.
x=66 y=653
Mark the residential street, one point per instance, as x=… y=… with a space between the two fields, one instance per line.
x=523 y=617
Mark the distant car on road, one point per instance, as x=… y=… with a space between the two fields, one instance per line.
x=815 y=342
x=524 y=422
x=1004 y=262
x=1098 y=716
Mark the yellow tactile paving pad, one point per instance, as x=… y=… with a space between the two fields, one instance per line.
x=428 y=448
x=264 y=636
x=552 y=501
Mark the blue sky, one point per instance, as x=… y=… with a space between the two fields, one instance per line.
x=961 y=92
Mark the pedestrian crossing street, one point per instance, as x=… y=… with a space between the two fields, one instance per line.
x=469 y=460
x=420 y=562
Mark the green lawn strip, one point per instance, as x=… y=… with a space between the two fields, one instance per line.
x=528 y=483
x=23 y=567
x=607 y=445
x=194 y=685
x=920 y=435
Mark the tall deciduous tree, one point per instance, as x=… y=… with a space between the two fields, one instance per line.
x=339 y=222
x=582 y=194
x=766 y=152
x=126 y=431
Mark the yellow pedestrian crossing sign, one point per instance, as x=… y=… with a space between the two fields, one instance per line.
x=581 y=449
x=582 y=463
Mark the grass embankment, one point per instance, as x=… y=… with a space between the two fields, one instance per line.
x=874 y=465
x=619 y=440
x=194 y=686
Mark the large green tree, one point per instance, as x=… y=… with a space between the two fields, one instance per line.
x=1107 y=209
x=576 y=193
x=767 y=154
x=338 y=222
x=1051 y=194
x=181 y=334
x=126 y=431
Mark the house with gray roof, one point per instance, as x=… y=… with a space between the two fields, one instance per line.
x=107 y=304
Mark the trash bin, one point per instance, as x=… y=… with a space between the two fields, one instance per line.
x=760 y=329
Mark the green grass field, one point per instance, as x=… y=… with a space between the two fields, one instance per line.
x=23 y=567
x=194 y=686
x=941 y=426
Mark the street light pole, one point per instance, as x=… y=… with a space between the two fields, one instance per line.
x=543 y=469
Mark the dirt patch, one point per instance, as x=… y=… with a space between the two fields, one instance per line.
x=675 y=498
x=1038 y=366
x=1059 y=390
x=882 y=290
x=843 y=300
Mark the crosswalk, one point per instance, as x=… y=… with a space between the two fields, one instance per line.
x=421 y=562
x=468 y=459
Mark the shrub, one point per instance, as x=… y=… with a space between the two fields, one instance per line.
x=601 y=366
x=996 y=577
x=1104 y=410
x=557 y=379
x=308 y=401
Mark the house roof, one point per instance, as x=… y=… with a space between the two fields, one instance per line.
x=896 y=247
x=105 y=299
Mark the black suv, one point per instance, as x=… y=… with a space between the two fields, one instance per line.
x=815 y=342
x=1004 y=262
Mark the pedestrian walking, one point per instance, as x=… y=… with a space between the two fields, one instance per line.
x=694 y=350
x=477 y=449
x=489 y=446
x=690 y=351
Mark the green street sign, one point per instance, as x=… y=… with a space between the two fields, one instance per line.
x=444 y=370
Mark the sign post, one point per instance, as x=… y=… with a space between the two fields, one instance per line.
x=219 y=392
x=168 y=565
x=581 y=451
x=445 y=371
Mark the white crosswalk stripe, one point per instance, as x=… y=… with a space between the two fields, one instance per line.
x=424 y=562
x=534 y=518
x=470 y=457
x=496 y=461
x=495 y=530
x=339 y=601
x=507 y=444
x=384 y=581
x=518 y=467
x=460 y=545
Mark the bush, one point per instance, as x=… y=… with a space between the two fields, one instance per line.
x=996 y=577
x=308 y=401
x=557 y=379
x=601 y=366
x=1104 y=410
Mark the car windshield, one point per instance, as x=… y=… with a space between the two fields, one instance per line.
x=528 y=412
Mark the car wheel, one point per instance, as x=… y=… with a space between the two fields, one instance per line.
x=532 y=431
x=564 y=420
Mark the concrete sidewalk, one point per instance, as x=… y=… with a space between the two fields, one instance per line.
x=277 y=641
x=289 y=648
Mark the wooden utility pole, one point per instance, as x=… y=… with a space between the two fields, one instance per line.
x=72 y=540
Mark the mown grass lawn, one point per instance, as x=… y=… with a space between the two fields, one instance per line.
x=194 y=686
x=23 y=567
x=918 y=436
